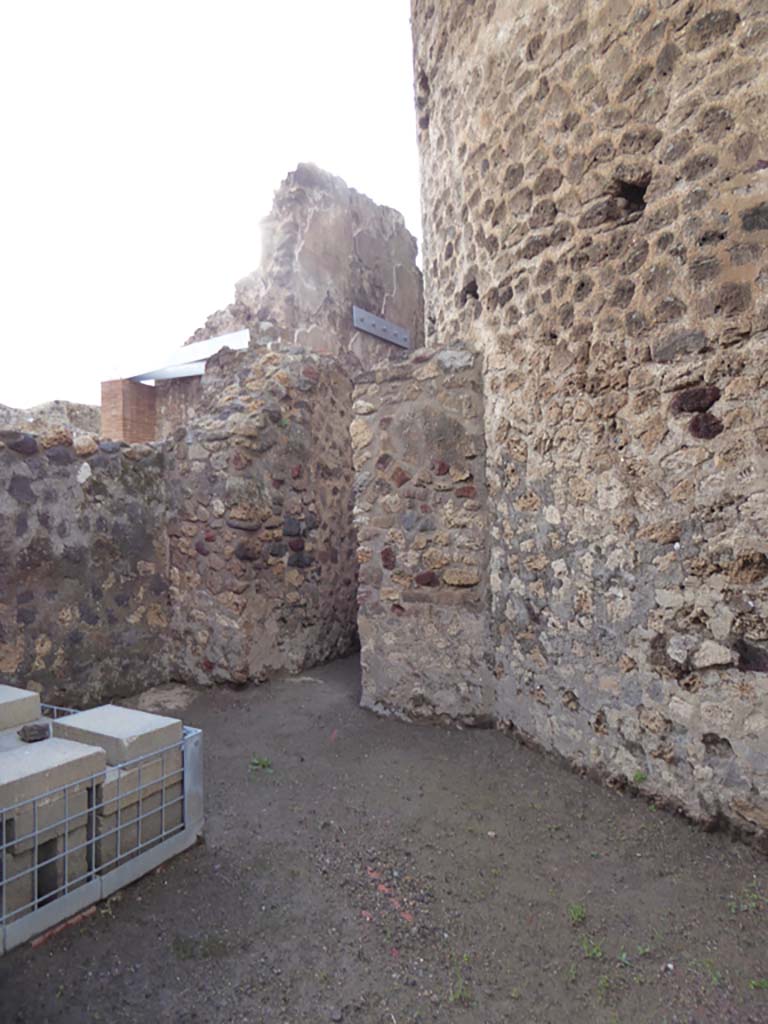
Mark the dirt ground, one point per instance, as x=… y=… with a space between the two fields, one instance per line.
x=363 y=870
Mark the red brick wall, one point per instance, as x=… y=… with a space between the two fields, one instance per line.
x=128 y=411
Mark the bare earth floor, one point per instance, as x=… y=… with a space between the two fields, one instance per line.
x=364 y=870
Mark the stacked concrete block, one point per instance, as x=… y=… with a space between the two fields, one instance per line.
x=106 y=785
x=17 y=707
x=45 y=818
x=138 y=804
x=44 y=836
x=123 y=734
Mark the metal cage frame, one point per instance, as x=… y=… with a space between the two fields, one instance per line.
x=77 y=845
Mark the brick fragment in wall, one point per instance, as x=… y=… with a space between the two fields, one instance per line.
x=624 y=419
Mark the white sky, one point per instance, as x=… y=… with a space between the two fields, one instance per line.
x=142 y=141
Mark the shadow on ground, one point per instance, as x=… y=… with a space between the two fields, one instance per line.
x=363 y=870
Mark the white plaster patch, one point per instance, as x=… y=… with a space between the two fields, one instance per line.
x=84 y=473
x=455 y=359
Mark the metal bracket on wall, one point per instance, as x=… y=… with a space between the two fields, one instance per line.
x=380 y=328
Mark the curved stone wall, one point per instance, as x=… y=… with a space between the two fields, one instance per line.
x=596 y=217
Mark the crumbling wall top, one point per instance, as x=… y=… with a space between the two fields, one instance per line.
x=325 y=248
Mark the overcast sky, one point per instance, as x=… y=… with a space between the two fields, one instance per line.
x=142 y=142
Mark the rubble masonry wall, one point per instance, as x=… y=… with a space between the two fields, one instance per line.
x=422 y=520
x=595 y=187
x=83 y=566
x=262 y=547
x=226 y=552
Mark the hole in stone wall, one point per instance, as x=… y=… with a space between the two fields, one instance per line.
x=632 y=192
x=469 y=291
x=716 y=745
x=751 y=657
x=712 y=237
x=422 y=88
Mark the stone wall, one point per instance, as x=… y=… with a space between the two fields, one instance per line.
x=50 y=415
x=596 y=216
x=326 y=247
x=421 y=515
x=223 y=555
x=262 y=545
x=175 y=404
x=229 y=549
x=83 y=566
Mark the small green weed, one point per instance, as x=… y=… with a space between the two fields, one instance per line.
x=710 y=969
x=260 y=764
x=460 y=990
x=592 y=950
x=108 y=907
x=639 y=777
x=750 y=899
x=577 y=912
x=759 y=984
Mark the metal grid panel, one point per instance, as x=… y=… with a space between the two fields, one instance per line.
x=95 y=835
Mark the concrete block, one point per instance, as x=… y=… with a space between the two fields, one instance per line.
x=18 y=885
x=61 y=862
x=132 y=841
x=56 y=814
x=154 y=822
x=17 y=706
x=123 y=733
x=107 y=836
x=31 y=770
x=145 y=779
x=60 y=859
x=9 y=738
